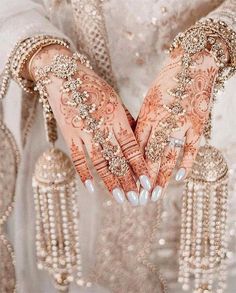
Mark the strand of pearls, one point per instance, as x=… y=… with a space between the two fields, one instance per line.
x=224 y=244
x=212 y=237
x=143 y=255
x=183 y=232
x=199 y=231
x=203 y=245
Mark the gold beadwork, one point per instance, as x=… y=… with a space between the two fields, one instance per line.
x=7 y=271
x=57 y=234
x=209 y=165
x=8 y=169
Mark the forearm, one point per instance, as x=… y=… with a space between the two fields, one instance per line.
x=42 y=57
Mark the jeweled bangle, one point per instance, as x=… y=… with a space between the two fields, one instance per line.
x=23 y=53
x=29 y=66
x=18 y=57
x=204 y=35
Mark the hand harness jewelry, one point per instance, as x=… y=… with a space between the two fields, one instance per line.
x=60 y=254
x=205 y=35
x=66 y=67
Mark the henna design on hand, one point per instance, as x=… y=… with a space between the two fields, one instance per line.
x=89 y=109
x=101 y=166
x=196 y=107
x=80 y=163
x=200 y=93
x=97 y=92
x=167 y=164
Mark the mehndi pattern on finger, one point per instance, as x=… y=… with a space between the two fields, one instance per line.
x=79 y=160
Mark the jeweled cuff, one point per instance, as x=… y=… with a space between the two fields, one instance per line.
x=20 y=55
x=205 y=35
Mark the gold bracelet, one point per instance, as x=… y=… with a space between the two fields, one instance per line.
x=205 y=33
x=29 y=67
x=19 y=56
x=23 y=53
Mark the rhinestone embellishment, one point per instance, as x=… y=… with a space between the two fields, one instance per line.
x=65 y=67
x=193 y=41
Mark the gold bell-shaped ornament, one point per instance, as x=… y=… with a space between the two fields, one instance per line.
x=57 y=217
x=203 y=247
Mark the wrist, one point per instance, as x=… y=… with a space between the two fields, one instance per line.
x=43 y=57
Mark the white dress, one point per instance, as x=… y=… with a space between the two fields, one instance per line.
x=139 y=33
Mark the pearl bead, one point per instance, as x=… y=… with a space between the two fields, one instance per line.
x=185 y=287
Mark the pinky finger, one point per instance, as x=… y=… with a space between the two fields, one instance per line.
x=167 y=166
x=80 y=163
x=189 y=154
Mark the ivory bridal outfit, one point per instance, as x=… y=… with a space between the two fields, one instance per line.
x=124 y=249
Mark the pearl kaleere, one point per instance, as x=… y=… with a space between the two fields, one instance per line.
x=203 y=246
x=57 y=233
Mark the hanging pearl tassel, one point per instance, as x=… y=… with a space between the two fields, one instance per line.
x=203 y=244
x=5 y=79
x=57 y=235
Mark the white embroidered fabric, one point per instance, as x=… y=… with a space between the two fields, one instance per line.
x=139 y=32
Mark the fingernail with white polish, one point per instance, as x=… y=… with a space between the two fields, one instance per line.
x=118 y=195
x=143 y=197
x=133 y=197
x=89 y=185
x=156 y=193
x=145 y=182
x=180 y=174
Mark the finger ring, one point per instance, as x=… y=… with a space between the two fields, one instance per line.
x=175 y=142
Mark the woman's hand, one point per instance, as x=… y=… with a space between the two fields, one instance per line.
x=100 y=102
x=156 y=110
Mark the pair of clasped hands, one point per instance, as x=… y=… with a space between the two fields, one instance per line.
x=145 y=180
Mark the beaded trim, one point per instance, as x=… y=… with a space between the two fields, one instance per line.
x=9 y=263
x=205 y=35
x=15 y=150
x=65 y=67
